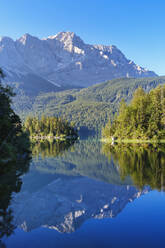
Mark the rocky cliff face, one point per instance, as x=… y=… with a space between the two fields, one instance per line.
x=64 y=59
x=66 y=203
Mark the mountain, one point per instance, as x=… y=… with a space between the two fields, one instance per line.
x=64 y=60
x=89 y=108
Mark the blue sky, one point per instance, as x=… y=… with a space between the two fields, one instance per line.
x=136 y=27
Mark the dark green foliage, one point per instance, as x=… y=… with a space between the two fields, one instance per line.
x=49 y=126
x=91 y=107
x=12 y=140
x=143 y=118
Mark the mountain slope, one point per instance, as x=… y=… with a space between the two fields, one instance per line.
x=64 y=59
x=89 y=108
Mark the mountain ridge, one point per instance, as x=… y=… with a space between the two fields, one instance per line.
x=65 y=59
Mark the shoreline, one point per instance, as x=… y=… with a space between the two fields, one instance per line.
x=53 y=137
x=133 y=141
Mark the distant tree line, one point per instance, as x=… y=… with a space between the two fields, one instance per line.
x=143 y=118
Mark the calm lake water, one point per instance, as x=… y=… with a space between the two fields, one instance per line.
x=85 y=194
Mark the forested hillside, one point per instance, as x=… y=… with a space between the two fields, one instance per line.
x=90 y=107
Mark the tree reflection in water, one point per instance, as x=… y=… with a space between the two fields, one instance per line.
x=10 y=182
x=50 y=148
x=145 y=164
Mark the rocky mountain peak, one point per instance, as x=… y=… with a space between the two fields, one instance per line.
x=68 y=39
x=6 y=40
x=26 y=38
x=66 y=36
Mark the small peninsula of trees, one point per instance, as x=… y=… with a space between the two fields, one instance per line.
x=143 y=118
x=49 y=127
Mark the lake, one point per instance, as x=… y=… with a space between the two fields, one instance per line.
x=85 y=194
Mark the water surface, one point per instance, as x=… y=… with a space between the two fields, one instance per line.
x=86 y=194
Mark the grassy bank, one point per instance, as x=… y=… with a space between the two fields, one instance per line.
x=134 y=141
